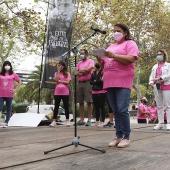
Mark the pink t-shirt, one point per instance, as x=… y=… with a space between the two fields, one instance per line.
x=144 y=108
x=158 y=74
x=116 y=74
x=153 y=112
x=83 y=65
x=62 y=89
x=7 y=84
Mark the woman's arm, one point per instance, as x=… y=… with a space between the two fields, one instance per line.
x=56 y=78
x=18 y=86
x=124 y=59
x=92 y=80
x=142 y=112
x=64 y=82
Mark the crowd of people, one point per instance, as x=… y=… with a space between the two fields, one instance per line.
x=109 y=80
x=112 y=79
x=147 y=114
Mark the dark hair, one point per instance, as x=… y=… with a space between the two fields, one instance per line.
x=164 y=54
x=85 y=51
x=65 y=73
x=125 y=29
x=154 y=102
x=3 y=71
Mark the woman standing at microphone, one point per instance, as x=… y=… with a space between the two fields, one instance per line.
x=7 y=90
x=118 y=75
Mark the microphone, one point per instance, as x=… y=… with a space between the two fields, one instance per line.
x=98 y=30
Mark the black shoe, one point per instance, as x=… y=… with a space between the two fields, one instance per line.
x=109 y=124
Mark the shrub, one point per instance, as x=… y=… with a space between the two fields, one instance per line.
x=20 y=107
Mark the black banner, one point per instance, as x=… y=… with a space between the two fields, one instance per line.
x=60 y=18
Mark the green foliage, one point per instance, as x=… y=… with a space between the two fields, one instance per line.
x=19 y=29
x=148 y=22
x=134 y=93
x=31 y=90
x=20 y=107
x=16 y=108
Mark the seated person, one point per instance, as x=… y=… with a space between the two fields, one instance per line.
x=142 y=111
x=153 y=114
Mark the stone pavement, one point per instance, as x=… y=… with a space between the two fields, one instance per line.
x=22 y=148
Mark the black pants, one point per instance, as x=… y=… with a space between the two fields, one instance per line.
x=142 y=121
x=65 y=100
x=99 y=106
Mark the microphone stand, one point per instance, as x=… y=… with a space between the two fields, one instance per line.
x=75 y=140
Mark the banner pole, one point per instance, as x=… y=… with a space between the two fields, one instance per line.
x=44 y=38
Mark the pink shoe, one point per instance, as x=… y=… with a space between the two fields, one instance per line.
x=123 y=143
x=96 y=124
x=53 y=124
x=101 y=124
x=67 y=123
x=115 y=142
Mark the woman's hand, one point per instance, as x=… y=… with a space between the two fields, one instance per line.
x=110 y=54
x=152 y=86
x=156 y=79
x=59 y=68
x=13 y=91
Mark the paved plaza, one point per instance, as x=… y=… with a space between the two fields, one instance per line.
x=22 y=148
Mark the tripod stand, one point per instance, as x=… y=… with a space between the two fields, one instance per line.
x=75 y=140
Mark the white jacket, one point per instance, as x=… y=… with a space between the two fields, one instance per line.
x=165 y=73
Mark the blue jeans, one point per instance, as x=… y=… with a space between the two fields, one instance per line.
x=8 y=106
x=119 y=99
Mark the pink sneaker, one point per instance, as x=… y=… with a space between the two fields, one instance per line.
x=123 y=143
x=115 y=142
x=96 y=124
x=53 y=124
x=67 y=123
x=100 y=124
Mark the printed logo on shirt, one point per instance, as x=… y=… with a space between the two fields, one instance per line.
x=5 y=83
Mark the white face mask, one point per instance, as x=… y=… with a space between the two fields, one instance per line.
x=160 y=57
x=82 y=57
x=118 y=36
x=7 y=67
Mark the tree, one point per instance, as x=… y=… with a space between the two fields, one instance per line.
x=30 y=91
x=148 y=21
x=21 y=30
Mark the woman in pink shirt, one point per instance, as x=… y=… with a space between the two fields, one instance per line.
x=7 y=90
x=118 y=75
x=62 y=78
x=143 y=113
x=153 y=112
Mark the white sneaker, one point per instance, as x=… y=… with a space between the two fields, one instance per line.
x=158 y=127
x=168 y=127
x=4 y=125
